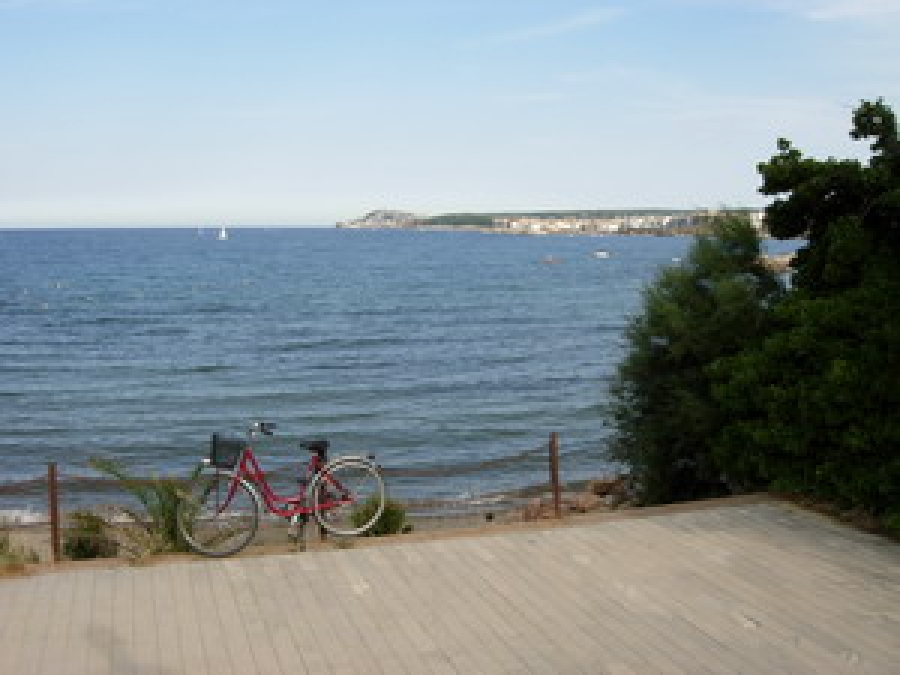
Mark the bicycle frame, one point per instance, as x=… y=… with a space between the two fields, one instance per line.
x=248 y=468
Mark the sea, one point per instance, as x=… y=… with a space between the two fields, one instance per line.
x=450 y=356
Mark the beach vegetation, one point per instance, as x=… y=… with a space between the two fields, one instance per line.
x=14 y=557
x=88 y=536
x=391 y=521
x=152 y=528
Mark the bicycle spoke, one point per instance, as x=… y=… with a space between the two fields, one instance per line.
x=217 y=516
x=348 y=496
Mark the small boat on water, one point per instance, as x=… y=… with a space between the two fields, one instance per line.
x=223 y=234
x=550 y=260
x=600 y=253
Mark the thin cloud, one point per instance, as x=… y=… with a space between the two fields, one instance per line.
x=837 y=10
x=813 y=10
x=565 y=26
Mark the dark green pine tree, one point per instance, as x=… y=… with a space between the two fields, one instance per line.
x=813 y=407
x=711 y=306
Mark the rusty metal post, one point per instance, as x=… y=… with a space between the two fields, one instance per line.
x=53 y=495
x=554 y=473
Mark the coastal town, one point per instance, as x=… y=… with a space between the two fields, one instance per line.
x=659 y=222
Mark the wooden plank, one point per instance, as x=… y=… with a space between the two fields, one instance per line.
x=234 y=632
x=41 y=624
x=121 y=628
x=145 y=654
x=671 y=632
x=76 y=646
x=390 y=600
x=279 y=622
x=16 y=601
x=401 y=590
x=568 y=613
x=336 y=638
x=700 y=610
x=216 y=653
x=738 y=594
x=401 y=602
x=804 y=586
x=795 y=575
x=628 y=577
x=248 y=613
x=186 y=620
x=364 y=608
x=505 y=589
x=443 y=587
x=754 y=588
x=607 y=604
x=168 y=637
x=99 y=633
x=496 y=619
x=30 y=619
x=297 y=608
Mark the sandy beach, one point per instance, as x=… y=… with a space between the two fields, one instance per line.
x=273 y=537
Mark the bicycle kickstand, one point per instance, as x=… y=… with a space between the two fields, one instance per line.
x=297 y=528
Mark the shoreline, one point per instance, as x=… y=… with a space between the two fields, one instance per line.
x=534 y=504
x=274 y=541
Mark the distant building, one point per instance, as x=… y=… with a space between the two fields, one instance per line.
x=657 y=222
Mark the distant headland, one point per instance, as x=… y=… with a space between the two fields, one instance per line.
x=660 y=222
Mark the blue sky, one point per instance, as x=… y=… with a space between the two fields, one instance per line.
x=202 y=112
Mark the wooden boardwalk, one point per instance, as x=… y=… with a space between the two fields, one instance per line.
x=752 y=588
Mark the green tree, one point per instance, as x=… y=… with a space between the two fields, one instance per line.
x=812 y=407
x=846 y=210
x=712 y=306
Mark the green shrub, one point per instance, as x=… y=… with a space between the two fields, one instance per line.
x=892 y=522
x=391 y=521
x=88 y=536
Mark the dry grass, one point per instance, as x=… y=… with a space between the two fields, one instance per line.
x=15 y=558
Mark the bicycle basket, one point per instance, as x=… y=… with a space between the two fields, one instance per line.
x=224 y=453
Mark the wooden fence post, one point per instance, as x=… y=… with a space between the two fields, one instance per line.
x=53 y=495
x=554 y=473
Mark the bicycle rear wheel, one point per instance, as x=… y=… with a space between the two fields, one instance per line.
x=347 y=496
x=218 y=516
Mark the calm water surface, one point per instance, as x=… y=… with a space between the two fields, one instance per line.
x=428 y=349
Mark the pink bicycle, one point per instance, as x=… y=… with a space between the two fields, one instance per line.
x=219 y=512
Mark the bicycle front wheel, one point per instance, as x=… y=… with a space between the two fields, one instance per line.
x=347 y=496
x=218 y=515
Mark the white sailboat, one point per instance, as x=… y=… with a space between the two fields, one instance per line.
x=223 y=234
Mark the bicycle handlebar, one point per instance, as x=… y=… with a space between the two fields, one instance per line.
x=319 y=446
x=265 y=428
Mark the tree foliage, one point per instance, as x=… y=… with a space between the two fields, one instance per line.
x=796 y=390
x=711 y=306
x=812 y=408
